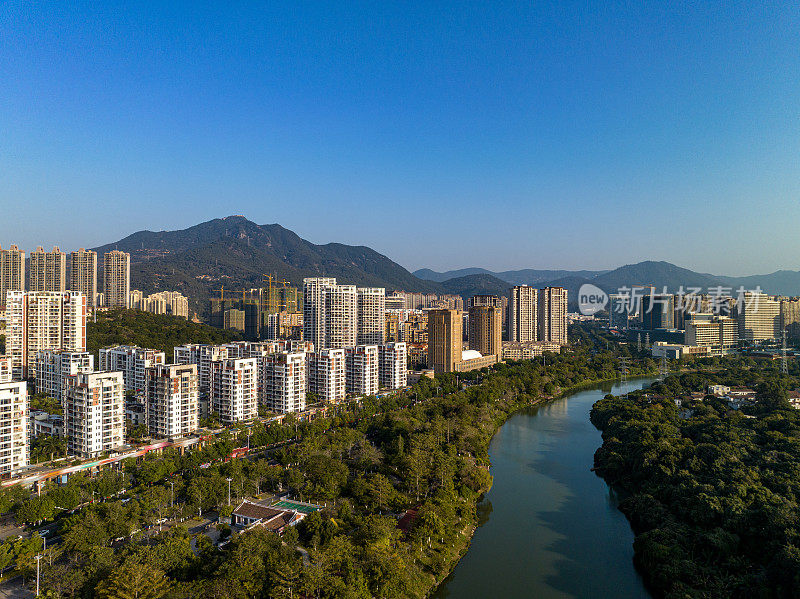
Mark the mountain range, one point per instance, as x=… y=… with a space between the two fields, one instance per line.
x=658 y=273
x=234 y=253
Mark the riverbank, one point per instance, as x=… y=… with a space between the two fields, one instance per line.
x=547 y=513
x=522 y=404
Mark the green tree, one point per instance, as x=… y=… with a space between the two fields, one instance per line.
x=134 y=580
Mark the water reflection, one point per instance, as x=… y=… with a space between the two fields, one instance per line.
x=549 y=527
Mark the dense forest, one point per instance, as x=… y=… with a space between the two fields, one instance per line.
x=155 y=331
x=425 y=449
x=712 y=493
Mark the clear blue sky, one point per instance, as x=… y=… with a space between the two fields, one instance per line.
x=502 y=135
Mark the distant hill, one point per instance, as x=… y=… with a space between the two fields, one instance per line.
x=781 y=282
x=235 y=253
x=525 y=276
x=477 y=284
x=658 y=274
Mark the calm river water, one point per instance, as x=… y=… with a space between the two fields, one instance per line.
x=550 y=527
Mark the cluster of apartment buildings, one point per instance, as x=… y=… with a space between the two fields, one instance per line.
x=536 y=322
x=56 y=272
x=47 y=345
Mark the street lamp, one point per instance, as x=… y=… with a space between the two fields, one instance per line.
x=229 y=489
x=38 y=557
x=171 y=493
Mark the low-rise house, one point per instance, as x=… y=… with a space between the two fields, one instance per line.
x=276 y=519
x=43 y=423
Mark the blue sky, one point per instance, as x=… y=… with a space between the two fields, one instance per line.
x=446 y=135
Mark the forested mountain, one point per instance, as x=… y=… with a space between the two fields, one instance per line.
x=235 y=253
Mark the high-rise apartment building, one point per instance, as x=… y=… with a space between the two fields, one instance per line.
x=48 y=270
x=116 y=279
x=133 y=361
x=12 y=271
x=284 y=382
x=759 y=317
x=330 y=313
x=371 y=315
x=523 y=313
x=83 y=274
x=361 y=369
x=14 y=420
x=53 y=366
x=393 y=365
x=326 y=374
x=171 y=400
x=553 y=315
x=486 y=330
x=41 y=320
x=234 y=389
x=314 y=309
x=202 y=355
x=94 y=413
x=444 y=339
x=341 y=320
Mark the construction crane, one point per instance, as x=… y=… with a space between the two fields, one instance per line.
x=279 y=284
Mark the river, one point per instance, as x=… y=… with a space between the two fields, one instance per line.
x=549 y=527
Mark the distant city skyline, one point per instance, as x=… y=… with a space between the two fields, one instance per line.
x=558 y=138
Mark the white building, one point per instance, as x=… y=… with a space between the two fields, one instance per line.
x=48 y=270
x=314 y=309
x=759 y=317
x=284 y=382
x=202 y=355
x=42 y=423
x=116 y=279
x=330 y=313
x=709 y=330
x=234 y=389
x=53 y=365
x=94 y=413
x=132 y=361
x=171 y=396
x=163 y=302
x=361 y=370
x=371 y=315
x=14 y=446
x=392 y=365
x=41 y=320
x=326 y=375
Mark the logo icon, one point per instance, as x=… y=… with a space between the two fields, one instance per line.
x=591 y=299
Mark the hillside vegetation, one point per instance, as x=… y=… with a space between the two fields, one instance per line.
x=713 y=493
x=156 y=331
